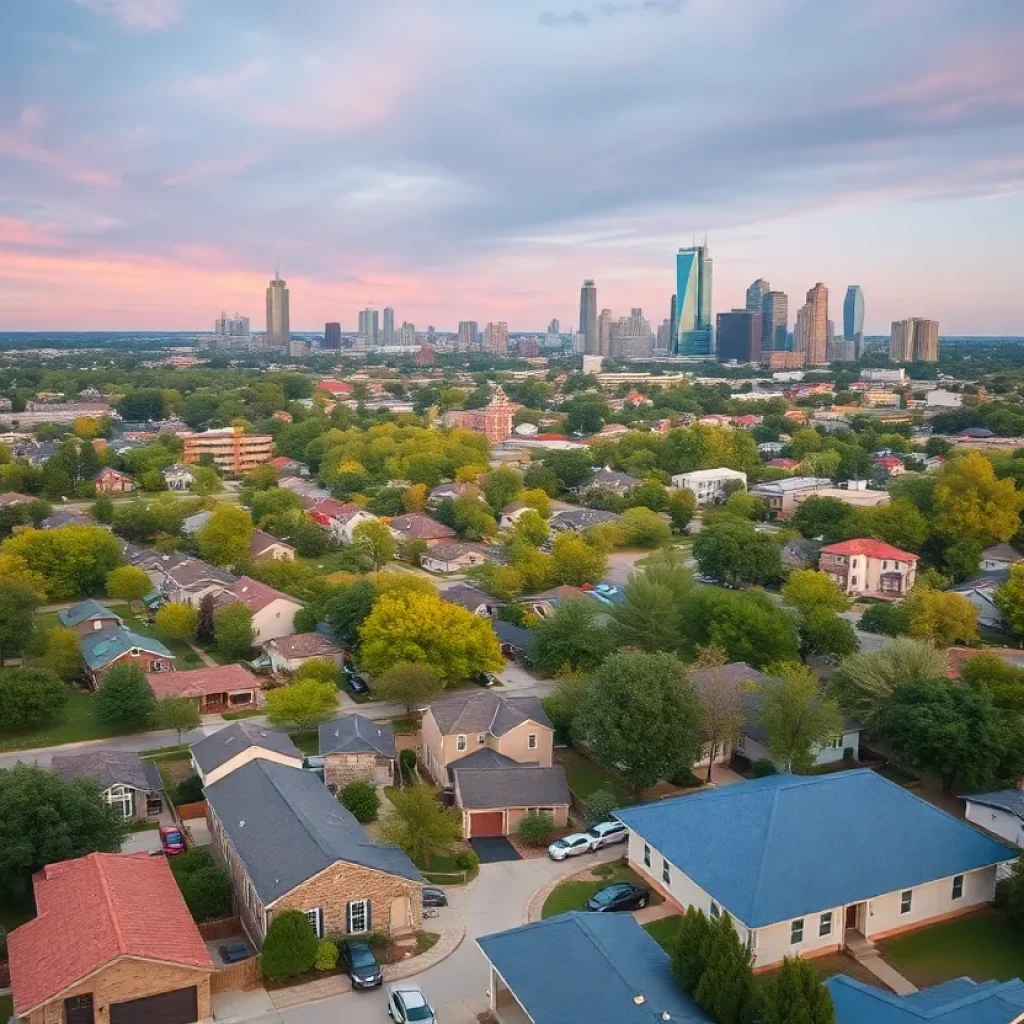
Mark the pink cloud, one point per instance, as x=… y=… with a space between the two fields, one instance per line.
x=18 y=148
x=33 y=116
x=15 y=231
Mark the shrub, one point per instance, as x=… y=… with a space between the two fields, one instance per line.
x=326 y=956
x=466 y=860
x=407 y=766
x=764 y=766
x=360 y=797
x=187 y=791
x=204 y=884
x=535 y=829
x=124 y=701
x=600 y=806
x=290 y=947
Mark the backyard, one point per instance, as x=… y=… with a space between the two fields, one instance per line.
x=585 y=777
x=573 y=895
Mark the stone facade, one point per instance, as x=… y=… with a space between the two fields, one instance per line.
x=341 y=769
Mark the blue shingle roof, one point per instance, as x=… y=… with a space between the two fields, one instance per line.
x=589 y=967
x=84 y=610
x=100 y=649
x=960 y=1001
x=803 y=844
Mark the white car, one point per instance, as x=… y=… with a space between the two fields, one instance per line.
x=571 y=845
x=605 y=833
x=408 y=1005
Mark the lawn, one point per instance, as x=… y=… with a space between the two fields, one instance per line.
x=573 y=895
x=586 y=778
x=663 y=930
x=186 y=658
x=78 y=723
x=443 y=870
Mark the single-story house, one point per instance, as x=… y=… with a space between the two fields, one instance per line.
x=610 y=480
x=339 y=517
x=547 y=602
x=290 y=844
x=473 y=600
x=416 y=526
x=189 y=580
x=89 y=616
x=999 y=556
x=178 y=477
x=102 y=649
x=355 y=747
x=516 y=642
x=453 y=557
x=813 y=859
x=128 y=783
x=579 y=519
x=273 y=612
x=451 y=490
x=981 y=592
x=111 y=481
x=289 y=653
x=215 y=689
x=66 y=517
x=511 y=514
x=1000 y=812
x=228 y=749
x=112 y=942
x=289 y=467
x=10 y=498
x=597 y=968
x=263 y=546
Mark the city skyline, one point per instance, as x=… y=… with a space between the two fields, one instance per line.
x=152 y=173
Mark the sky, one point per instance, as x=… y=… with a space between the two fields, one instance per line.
x=477 y=159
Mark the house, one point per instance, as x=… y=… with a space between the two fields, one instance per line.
x=512 y=513
x=891 y=465
x=999 y=556
x=597 y=968
x=336 y=388
x=450 y=491
x=473 y=600
x=267 y=548
x=545 y=603
x=710 y=486
x=178 y=477
x=111 y=481
x=1001 y=813
x=215 y=689
x=781 y=495
x=800 y=553
x=783 y=463
x=288 y=467
x=354 y=747
x=289 y=844
x=89 y=616
x=308 y=490
x=869 y=567
x=516 y=642
x=189 y=580
x=851 y=492
x=237 y=744
x=981 y=592
x=97 y=953
x=415 y=526
x=812 y=859
x=273 y=612
x=66 y=517
x=579 y=519
x=610 y=480
x=106 y=647
x=289 y=653
x=453 y=557
x=14 y=498
x=509 y=740
x=127 y=783
x=339 y=517
x=191 y=525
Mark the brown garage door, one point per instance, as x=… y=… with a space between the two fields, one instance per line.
x=178 y=1007
x=486 y=823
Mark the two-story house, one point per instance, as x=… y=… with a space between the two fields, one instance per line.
x=710 y=486
x=869 y=567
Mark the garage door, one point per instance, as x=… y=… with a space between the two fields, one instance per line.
x=486 y=823
x=178 y=1007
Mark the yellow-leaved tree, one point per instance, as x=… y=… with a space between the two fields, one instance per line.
x=973 y=504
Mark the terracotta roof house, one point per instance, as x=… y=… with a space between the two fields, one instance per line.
x=288 y=653
x=289 y=467
x=453 y=557
x=215 y=689
x=237 y=744
x=333 y=387
x=273 y=612
x=89 y=616
x=129 y=784
x=97 y=953
x=290 y=844
x=340 y=517
x=892 y=465
x=111 y=481
x=416 y=526
x=869 y=567
x=784 y=463
x=263 y=546
x=355 y=747
x=102 y=649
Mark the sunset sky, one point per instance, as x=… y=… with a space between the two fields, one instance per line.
x=476 y=159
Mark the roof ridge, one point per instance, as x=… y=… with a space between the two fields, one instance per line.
x=108 y=900
x=583 y=922
x=304 y=819
x=756 y=894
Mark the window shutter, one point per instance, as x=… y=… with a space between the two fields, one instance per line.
x=369 y=915
x=348 y=917
x=320 y=922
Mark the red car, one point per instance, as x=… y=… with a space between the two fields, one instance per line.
x=171 y=840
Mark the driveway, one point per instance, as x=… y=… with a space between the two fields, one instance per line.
x=494 y=849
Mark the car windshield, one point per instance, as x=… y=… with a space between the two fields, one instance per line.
x=362 y=956
x=560 y=843
x=173 y=837
x=416 y=1008
x=594 y=832
x=603 y=896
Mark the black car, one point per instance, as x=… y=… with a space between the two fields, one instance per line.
x=356 y=683
x=359 y=963
x=619 y=896
x=483 y=679
x=434 y=897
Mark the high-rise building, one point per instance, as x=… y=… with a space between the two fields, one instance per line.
x=369 y=326
x=663 y=341
x=469 y=335
x=332 y=336
x=279 y=332
x=630 y=336
x=232 y=331
x=756 y=293
x=554 y=327
x=802 y=332
x=407 y=334
x=388 y=333
x=693 y=301
x=926 y=341
x=603 y=334
x=496 y=338
x=914 y=340
x=738 y=336
x=774 y=321
x=853 y=318
x=588 y=317
x=817 y=325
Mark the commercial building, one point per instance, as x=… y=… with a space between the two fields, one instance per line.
x=756 y=293
x=388 y=334
x=279 y=332
x=332 y=336
x=774 y=321
x=693 y=329
x=588 y=317
x=710 y=485
x=811 y=334
x=781 y=495
x=368 y=326
x=406 y=335
x=914 y=341
x=469 y=335
x=738 y=336
x=233 y=451
x=494 y=421
x=232 y=331
x=496 y=338
x=853 y=318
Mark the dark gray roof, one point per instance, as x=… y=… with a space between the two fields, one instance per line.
x=581 y=518
x=109 y=768
x=486 y=712
x=218 y=748
x=516 y=636
x=357 y=734
x=468 y=597
x=1003 y=553
x=612 y=478
x=192 y=571
x=1011 y=800
x=483 y=758
x=286 y=827
x=521 y=786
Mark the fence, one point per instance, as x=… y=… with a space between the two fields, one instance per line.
x=224 y=928
x=188 y=811
x=244 y=974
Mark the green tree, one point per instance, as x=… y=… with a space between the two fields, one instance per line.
x=225 y=537
x=681 y=505
x=204 y=885
x=641 y=718
x=731 y=549
x=304 y=704
x=74 y=560
x=797 y=717
x=972 y=503
x=747 y=626
x=18 y=603
x=205 y=481
x=538 y=500
x=726 y=987
x=502 y=486
x=962 y=560
x=321 y=670
x=179 y=621
x=290 y=946
x=564 y=702
x=794 y=994
x=824 y=518
x=531 y=528
x=14 y=569
x=824 y=634
x=360 y=797
x=124 y=701
x=900 y=524
x=103 y=509
x=406 y=683
x=573 y=638
x=374 y=539
x=808 y=590
x=421 y=825
x=62 y=653
x=128 y=583
x=575 y=562
x=723 y=700
x=471 y=518
x=1003 y=681
x=232 y=630
x=31 y=698
x=1009 y=599
x=543 y=478
x=571 y=469
x=600 y=805
x=644 y=528
x=347 y=612
x=689 y=948
x=177 y=713
x=205 y=629
x=648 y=618
x=887 y=619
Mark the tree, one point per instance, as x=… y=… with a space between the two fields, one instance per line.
x=901 y=524
x=304 y=704
x=794 y=994
x=74 y=560
x=14 y=569
x=204 y=885
x=177 y=713
x=575 y=562
x=1009 y=599
x=320 y=670
x=747 y=626
x=128 y=583
x=641 y=718
x=232 y=630
x=648 y=618
x=1003 y=681
x=205 y=629
x=290 y=946
x=421 y=825
x=726 y=986
x=689 y=948
x=424 y=629
x=501 y=486
x=124 y=701
x=103 y=509
x=944 y=618
x=225 y=537
x=360 y=797
x=535 y=828
x=45 y=819
x=1013 y=888
x=682 y=503
x=887 y=619
x=826 y=635
x=797 y=717
x=62 y=653
x=571 y=469
x=723 y=699
x=30 y=698
x=808 y=590
x=537 y=498
x=179 y=621
x=563 y=703
x=731 y=549
x=18 y=603
x=539 y=477
x=347 y=612
x=471 y=518
x=972 y=503
x=823 y=518
x=406 y=683
x=531 y=528
x=573 y=638
x=644 y=528
x=375 y=540
x=205 y=481
x=600 y=805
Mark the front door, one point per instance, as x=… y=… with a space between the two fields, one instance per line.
x=78 y=1010
x=851 y=916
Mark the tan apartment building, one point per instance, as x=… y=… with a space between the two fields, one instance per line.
x=867 y=567
x=232 y=450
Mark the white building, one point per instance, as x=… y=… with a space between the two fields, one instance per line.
x=1001 y=813
x=709 y=485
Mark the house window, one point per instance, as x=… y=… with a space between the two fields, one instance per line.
x=122 y=799
x=958 y=887
x=825 y=924
x=796 y=931
x=239 y=698
x=531 y=741
x=666 y=872
x=716 y=911
x=316 y=918
x=741 y=742
x=647 y=856
x=906 y=898
x=357 y=916
x=460 y=743
x=481 y=739
x=885 y=565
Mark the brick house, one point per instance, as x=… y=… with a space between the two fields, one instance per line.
x=869 y=567
x=289 y=844
x=107 y=647
x=89 y=616
x=215 y=689
x=110 y=481
x=127 y=783
x=354 y=747
x=97 y=953
x=235 y=745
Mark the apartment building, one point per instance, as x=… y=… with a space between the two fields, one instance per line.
x=233 y=451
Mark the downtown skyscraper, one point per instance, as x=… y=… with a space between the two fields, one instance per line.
x=469 y=334
x=756 y=293
x=279 y=333
x=774 y=322
x=914 y=341
x=693 y=331
x=388 y=333
x=332 y=336
x=369 y=326
x=588 y=318
x=853 y=318
x=811 y=334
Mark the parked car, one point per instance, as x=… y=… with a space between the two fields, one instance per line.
x=619 y=896
x=360 y=964
x=485 y=679
x=356 y=683
x=434 y=897
x=407 y=1003
x=233 y=952
x=606 y=833
x=171 y=840
x=571 y=846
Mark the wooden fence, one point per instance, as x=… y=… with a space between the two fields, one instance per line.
x=188 y=811
x=244 y=974
x=224 y=928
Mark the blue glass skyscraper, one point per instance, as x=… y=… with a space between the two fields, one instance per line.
x=692 y=329
x=853 y=316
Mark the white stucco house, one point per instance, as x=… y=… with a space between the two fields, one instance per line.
x=709 y=485
x=273 y=612
x=1001 y=813
x=802 y=862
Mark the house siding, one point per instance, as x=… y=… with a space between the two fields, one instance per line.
x=277 y=619
x=755 y=751
x=341 y=769
x=1001 y=823
x=244 y=757
x=930 y=901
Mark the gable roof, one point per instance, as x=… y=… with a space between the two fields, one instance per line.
x=334 y=509
x=875 y=837
x=194 y=570
x=218 y=748
x=1002 y=553
x=264 y=541
x=515 y=636
x=84 y=611
x=589 y=967
x=420 y=527
x=1009 y=800
x=870 y=548
x=482 y=758
x=200 y=682
x=109 y=768
x=306 y=645
x=523 y=785
x=611 y=478
x=468 y=597
x=581 y=518
x=486 y=712
x=286 y=827
x=255 y=595
x=453 y=550
x=357 y=734
x=95 y=900
x=101 y=648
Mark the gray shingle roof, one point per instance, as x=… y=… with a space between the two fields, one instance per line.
x=581 y=518
x=486 y=712
x=286 y=827
x=483 y=758
x=357 y=734
x=218 y=748
x=193 y=571
x=1010 y=800
x=521 y=786
x=109 y=768
x=468 y=597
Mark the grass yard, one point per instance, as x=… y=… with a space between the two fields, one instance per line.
x=573 y=895
x=586 y=778
x=185 y=657
x=663 y=930
x=6 y=1007
x=78 y=723
x=307 y=742
x=443 y=870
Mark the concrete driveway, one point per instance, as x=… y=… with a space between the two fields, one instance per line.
x=142 y=842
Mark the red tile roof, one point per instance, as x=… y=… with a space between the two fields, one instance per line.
x=784 y=463
x=333 y=509
x=334 y=387
x=889 y=462
x=93 y=910
x=202 y=682
x=283 y=462
x=870 y=548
